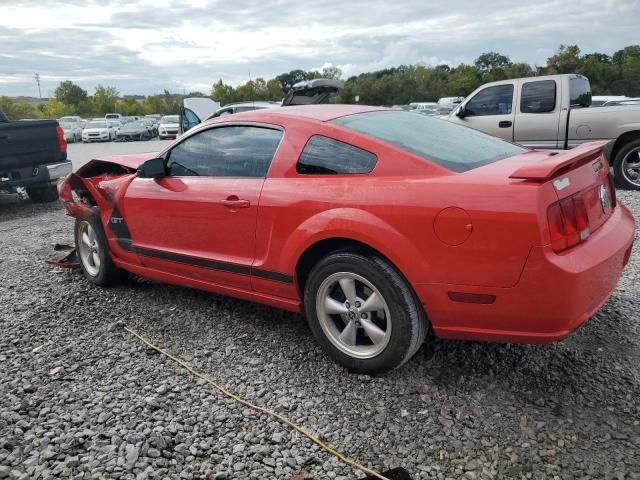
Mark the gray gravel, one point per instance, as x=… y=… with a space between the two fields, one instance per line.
x=80 y=398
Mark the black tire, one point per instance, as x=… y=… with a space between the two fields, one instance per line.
x=44 y=194
x=107 y=273
x=407 y=317
x=622 y=178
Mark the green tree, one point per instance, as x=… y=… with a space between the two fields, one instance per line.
x=56 y=109
x=104 y=100
x=223 y=93
x=566 y=60
x=600 y=71
x=130 y=106
x=331 y=72
x=463 y=80
x=152 y=105
x=17 y=111
x=171 y=103
x=70 y=94
x=490 y=61
x=627 y=63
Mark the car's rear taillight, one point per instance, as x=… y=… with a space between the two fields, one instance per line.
x=61 y=140
x=568 y=222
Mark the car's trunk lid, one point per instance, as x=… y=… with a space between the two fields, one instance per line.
x=582 y=174
x=311 y=92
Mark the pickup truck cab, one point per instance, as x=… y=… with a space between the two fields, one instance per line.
x=33 y=157
x=554 y=112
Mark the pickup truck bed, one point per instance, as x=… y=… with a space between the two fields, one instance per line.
x=33 y=157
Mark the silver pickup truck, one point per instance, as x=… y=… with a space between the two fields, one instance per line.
x=554 y=112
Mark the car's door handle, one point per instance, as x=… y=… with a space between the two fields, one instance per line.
x=505 y=124
x=233 y=201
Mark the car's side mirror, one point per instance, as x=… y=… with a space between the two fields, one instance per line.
x=154 y=168
x=460 y=112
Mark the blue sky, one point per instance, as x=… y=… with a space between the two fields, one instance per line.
x=148 y=45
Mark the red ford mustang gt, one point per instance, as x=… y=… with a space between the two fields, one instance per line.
x=378 y=224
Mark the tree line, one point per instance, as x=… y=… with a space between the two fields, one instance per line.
x=617 y=74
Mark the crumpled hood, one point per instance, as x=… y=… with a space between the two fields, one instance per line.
x=131 y=161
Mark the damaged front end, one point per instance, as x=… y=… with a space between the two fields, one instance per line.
x=96 y=191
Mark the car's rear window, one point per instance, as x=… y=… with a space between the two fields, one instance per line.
x=452 y=146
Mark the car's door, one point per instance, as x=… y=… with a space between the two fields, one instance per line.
x=199 y=220
x=491 y=111
x=538 y=118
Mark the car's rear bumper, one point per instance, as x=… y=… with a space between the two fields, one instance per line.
x=555 y=295
x=34 y=175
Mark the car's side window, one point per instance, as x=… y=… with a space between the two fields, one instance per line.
x=538 y=97
x=234 y=151
x=496 y=100
x=323 y=155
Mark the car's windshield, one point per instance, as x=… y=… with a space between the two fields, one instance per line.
x=454 y=147
x=169 y=119
x=96 y=125
x=132 y=125
x=67 y=124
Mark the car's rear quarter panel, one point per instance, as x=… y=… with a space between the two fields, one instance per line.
x=392 y=210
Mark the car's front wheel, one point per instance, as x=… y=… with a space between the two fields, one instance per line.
x=363 y=312
x=93 y=252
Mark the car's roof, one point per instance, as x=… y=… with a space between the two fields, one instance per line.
x=322 y=113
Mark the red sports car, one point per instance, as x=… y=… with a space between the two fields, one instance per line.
x=378 y=224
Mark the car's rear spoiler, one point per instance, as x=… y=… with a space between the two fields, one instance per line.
x=546 y=169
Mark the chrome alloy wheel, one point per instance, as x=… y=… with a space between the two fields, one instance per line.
x=631 y=166
x=353 y=315
x=89 y=249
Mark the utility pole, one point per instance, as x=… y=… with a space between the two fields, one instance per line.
x=37 y=77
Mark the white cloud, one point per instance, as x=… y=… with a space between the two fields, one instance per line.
x=149 y=45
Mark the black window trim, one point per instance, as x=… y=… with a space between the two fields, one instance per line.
x=202 y=128
x=555 y=97
x=332 y=175
x=513 y=91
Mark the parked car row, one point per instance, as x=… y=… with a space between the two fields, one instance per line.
x=115 y=127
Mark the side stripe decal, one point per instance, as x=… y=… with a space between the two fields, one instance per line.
x=213 y=264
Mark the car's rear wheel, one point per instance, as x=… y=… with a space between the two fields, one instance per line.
x=93 y=252
x=626 y=166
x=363 y=312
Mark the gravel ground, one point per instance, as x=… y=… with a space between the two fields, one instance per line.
x=81 y=398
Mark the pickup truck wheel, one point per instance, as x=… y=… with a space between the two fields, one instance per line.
x=93 y=252
x=626 y=166
x=363 y=312
x=43 y=194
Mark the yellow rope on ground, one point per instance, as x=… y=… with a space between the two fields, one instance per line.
x=258 y=408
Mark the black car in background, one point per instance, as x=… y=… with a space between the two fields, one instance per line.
x=134 y=131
